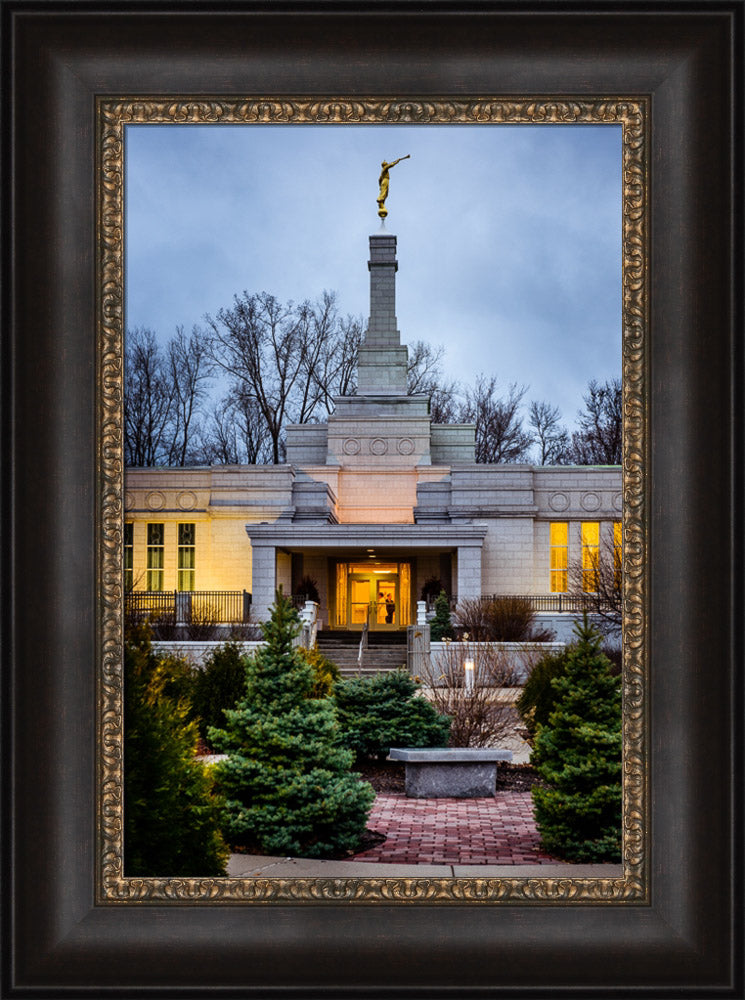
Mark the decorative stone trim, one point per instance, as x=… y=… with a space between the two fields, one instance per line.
x=155 y=500
x=558 y=501
x=590 y=501
x=187 y=500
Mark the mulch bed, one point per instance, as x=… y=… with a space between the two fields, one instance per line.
x=387 y=776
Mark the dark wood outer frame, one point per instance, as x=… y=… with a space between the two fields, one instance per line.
x=689 y=937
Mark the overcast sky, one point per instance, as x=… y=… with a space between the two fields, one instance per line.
x=509 y=236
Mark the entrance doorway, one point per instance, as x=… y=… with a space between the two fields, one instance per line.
x=377 y=595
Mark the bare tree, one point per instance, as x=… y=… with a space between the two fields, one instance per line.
x=237 y=433
x=330 y=361
x=549 y=436
x=600 y=437
x=260 y=343
x=148 y=400
x=424 y=376
x=597 y=580
x=480 y=714
x=189 y=368
x=499 y=431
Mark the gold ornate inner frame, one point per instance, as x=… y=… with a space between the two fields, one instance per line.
x=550 y=884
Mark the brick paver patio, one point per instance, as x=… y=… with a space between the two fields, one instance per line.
x=495 y=830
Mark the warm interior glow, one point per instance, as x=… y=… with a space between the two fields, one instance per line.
x=590 y=553
x=559 y=556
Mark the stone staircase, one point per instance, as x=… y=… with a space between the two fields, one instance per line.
x=385 y=651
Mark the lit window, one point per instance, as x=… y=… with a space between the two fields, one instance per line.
x=590 y=553
x=186 y=556
x=617 y=553
x=559 y=548
x=129 y=559
x=155 y=556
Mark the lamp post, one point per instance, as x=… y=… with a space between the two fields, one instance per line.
x=468 y=667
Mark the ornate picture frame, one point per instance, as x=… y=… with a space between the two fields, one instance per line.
x=113 y=116
x=681 y=930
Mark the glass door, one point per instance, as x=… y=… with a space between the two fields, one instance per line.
x=376 y=593
x=386 y=603
x=359 y=600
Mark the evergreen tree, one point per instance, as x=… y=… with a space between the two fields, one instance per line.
x=171 y=817
x=578 y=754
x=218 y=685
x=286 y=781
x=384 y=711
x=441 y=627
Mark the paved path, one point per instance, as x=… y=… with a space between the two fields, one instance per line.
x=495 y=830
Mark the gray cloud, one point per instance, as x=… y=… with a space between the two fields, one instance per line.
x=509 y=237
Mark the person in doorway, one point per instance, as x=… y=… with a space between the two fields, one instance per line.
x=390 y=607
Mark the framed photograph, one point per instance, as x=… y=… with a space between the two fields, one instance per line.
x=667 y=920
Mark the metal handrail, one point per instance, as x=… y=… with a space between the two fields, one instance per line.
x=363 y=641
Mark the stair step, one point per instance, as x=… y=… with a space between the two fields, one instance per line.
x=375 y=659
x=337 y=637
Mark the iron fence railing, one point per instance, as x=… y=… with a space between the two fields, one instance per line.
x=571 y=603
x=189 y=607
x=557 y=602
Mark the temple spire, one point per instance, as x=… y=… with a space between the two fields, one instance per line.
x=383 y=361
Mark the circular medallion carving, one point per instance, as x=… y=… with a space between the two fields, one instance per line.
x=590 y=501
x=129 y=501
x=378 y=446
x=155 y=500
x=618 y=501
x=187 y=500
x=405 y=446
x=558 y=501
x=351 y=446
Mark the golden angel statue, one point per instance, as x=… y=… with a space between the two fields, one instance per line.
x=384 y=180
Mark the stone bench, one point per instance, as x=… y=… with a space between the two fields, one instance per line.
x=446 y=772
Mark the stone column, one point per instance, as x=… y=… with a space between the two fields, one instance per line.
x=263 y=580
x=469 y=572
x=382 y=361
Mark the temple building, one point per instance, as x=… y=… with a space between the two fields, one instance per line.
x=370 y=505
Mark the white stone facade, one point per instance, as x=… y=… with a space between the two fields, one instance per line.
x=378 y=486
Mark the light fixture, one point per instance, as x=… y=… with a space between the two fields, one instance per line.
x=468 y=666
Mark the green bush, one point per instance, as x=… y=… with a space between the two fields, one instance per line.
x=171 y=816
x=578 y=754
x=376 y=713
x=441 y=627
x=325 y=671
x=220 y=684
x=287 y=781
x=538 y=696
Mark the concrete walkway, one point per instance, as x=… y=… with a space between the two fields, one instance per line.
x=489 y=837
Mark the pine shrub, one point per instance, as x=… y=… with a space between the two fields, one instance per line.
x=578 y=754
x=376 y=713
x=538 y=696
x=220 y=684
x=441 y=627
x=287 y=781
x=171 y=816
